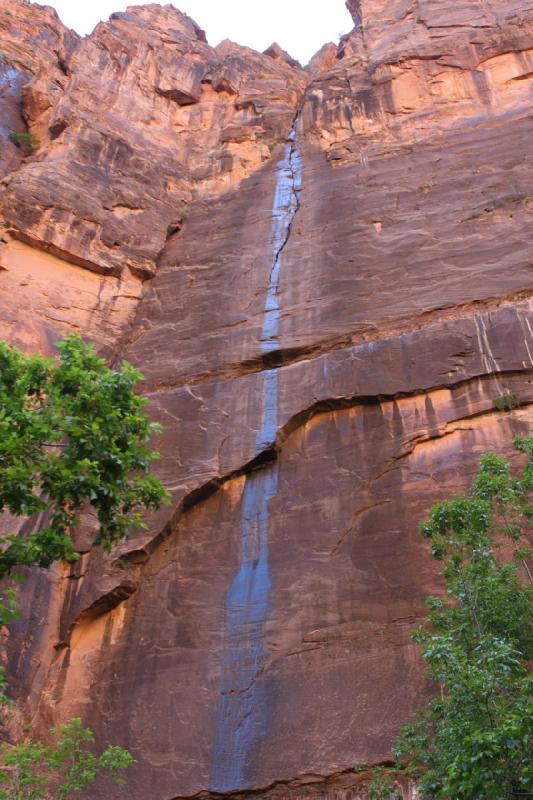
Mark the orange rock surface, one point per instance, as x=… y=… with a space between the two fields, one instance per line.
x=325 y=277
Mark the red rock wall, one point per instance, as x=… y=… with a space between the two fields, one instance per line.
x=326 y=280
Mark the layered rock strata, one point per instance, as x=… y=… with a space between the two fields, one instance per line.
x=325 y=278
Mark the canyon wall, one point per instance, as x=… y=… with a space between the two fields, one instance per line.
x=325 y=276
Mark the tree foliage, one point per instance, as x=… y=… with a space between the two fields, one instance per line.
x=475 y=739
x=73 y=434
x=34 y=771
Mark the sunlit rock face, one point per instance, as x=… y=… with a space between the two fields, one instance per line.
x=410 y=70
x=143 y=117
x=325 y=277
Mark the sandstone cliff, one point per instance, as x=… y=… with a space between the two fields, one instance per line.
x=325 y=277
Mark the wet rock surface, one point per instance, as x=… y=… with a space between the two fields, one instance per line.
x=326 y=280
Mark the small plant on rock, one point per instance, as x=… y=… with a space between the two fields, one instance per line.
x=382 y=786
x=27 y=142
x=506 y=402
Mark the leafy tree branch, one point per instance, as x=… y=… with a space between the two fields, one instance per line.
x=475 y=739
x=73 y=435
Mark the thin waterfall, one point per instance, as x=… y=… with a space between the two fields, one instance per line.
x=284 y=209
x=242 y=711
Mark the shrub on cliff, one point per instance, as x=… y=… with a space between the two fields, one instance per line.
x=475 y=740
x=27 y=142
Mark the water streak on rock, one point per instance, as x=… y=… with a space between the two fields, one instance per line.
x=242 y=712
x=285 y=207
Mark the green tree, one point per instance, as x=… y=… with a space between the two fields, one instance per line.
x=8 y=611
x=73 y=435
x=475 y=739
x=34 y=771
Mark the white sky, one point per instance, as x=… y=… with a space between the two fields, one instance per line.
x=300 y=26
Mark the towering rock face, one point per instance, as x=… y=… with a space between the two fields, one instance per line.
x=325 y=278
x=135 y=121
x=412 y=69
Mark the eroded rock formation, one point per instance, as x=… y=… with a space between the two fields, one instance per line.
x=325 y=277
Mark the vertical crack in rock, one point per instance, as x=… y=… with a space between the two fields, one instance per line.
x=242 y=710
x=285 y=208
